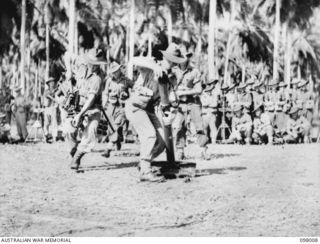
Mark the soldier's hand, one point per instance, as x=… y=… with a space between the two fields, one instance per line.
x=76 y=121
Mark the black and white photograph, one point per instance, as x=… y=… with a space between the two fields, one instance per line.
x=159 y=118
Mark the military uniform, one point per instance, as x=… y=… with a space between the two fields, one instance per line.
x=50 y=114
x=116 y=93
x=21 y=116
x=92 y=85
x=189 y=106
x=142 y=112
x=209 y=102
x=280 y=119
x=305 y=102
x=245 y=99
x=241 y=128
x=262 y=129
x=270 y=100
x=297 y=130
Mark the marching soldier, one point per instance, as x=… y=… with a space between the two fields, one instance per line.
x=241 y=128
x=209 y=101
x=298 y=127
x=20 y=111
x=142 y=108
x=115 y=94
x=262 y=128
x=50 y=110
x=87 y=120
x=188 y=90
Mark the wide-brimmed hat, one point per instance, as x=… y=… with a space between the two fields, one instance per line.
x=237 y=107
x=211 y=84
x=282 y=84
x=173 y=53
x=242 y=85
x=95 y=57
x=51 y=79
x=257 y=106
x=294 y=109
x=294 y=81
x=114 y=66
x=302 y=83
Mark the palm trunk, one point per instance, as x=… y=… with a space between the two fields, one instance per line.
x=276 y=43
x=23 y=43
x=287 y=55
x=47 y=43
x=72 y=10
x=169 y=24
x=211 y=39
x=131 y=39
x=226 y=64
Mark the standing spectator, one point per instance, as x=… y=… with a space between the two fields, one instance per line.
x=20 y=110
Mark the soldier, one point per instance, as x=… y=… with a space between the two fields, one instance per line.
x=209 y=101
x=90 y=92
x=244 y=98
x=141 y=110
x=50 y=111
x=298 y=127
x=20 y=111
x=115 y=94
x=305 y=100
x=241 y=126
x=230 y=94
x=188 y=90
x=293 y=92
x=262 y=129
x=270 y=100
x=258 y=94
x=281 y=108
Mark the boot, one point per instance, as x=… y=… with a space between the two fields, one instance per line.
x=75 y=163
x=146 y=173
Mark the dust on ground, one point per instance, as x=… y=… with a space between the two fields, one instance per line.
x=246 y=191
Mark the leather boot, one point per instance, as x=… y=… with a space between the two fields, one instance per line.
x=75 y=163
x=146 y=173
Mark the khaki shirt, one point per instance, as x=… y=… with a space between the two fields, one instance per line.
x=92 y=85
x=20 y=103
x=262 y=122
x=241 y=123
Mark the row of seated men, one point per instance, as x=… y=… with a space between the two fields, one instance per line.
x=259 y=113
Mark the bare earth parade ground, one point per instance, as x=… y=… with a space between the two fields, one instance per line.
x=242 y=191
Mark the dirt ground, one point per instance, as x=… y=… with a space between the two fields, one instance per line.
x=243 y=191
